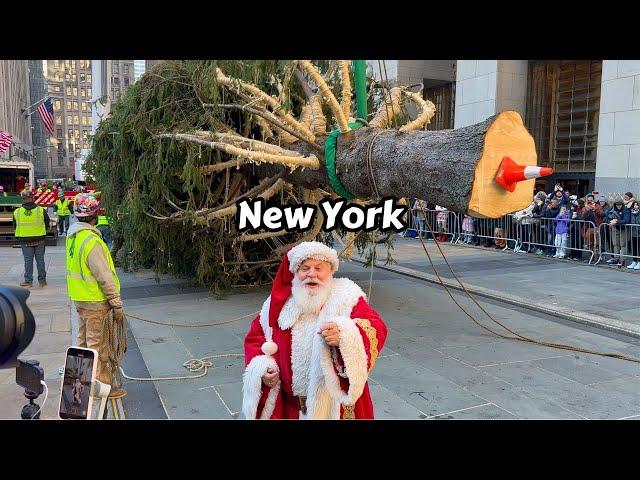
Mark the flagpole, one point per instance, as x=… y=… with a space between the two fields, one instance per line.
x=33 y=105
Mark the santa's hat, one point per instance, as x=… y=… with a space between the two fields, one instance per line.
x=290 y=264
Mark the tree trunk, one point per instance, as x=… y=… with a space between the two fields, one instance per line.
x=452 y=168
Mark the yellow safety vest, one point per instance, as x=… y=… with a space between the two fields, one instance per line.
x=81 y=284
x=63 y=208
x=103 y=220
x=30 y=223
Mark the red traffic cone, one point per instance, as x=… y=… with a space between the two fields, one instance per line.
x=509 y=173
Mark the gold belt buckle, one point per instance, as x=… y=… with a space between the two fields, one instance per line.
x=303 y=404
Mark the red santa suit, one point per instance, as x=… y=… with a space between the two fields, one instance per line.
x=317 y=381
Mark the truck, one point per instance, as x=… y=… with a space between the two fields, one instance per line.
x=14 y=175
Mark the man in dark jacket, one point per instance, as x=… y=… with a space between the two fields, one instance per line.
x=617 y=218
x=561 y=196
x=31 y=223
x=550 y=212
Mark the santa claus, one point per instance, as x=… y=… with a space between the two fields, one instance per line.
x=309 y=352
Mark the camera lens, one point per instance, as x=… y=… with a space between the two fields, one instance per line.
x=17 y=325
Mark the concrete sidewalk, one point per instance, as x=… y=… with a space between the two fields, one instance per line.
x=598 y=296
x=436 y=363
x=50 y=307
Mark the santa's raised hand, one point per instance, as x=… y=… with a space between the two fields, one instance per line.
x=330 y=333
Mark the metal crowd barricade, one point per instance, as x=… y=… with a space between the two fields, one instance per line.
x=617 y=243
x=445 y=224
x=498 y=232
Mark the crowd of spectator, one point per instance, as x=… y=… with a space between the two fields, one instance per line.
x=556 y=224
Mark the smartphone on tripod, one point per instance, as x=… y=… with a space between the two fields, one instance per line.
x=80 y=370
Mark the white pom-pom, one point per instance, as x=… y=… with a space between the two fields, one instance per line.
x=269 y=348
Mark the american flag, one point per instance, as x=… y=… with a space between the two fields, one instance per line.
x=6 y=139
x=46 y=114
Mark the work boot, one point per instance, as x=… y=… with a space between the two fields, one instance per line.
x=117 y=393
x=26 y=284
x=43 y=283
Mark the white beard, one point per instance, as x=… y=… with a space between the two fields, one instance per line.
x=311 y=302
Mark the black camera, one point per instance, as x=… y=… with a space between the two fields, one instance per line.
x=17 y=325
x=29 y=374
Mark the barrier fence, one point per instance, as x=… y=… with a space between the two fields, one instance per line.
x=570 y=238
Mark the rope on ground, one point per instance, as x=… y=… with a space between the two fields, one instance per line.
x=193 y=365
x=518 y=337
x=198 y=325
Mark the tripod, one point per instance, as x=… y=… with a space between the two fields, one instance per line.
x=31 y=408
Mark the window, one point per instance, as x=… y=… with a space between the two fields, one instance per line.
x=69 y=105
x=83 y=106
x=563 y=107
x=59 y=133
x=88 y=62
x=54 y=63
x=115 y=68
x=126 y=69
x=75 y=91
x=67 y=63
x=52 y=88
x=58 y=88
x=116 y=81
x=58 y=119
x=89 y=92
x=73 y=64
x=83 y=77
x=126 y=81
x=89 y=77
x=443 y=97
x=83 y=92
x=57 y=105
x=75 y=105
x=70 y=133
x=68 y=90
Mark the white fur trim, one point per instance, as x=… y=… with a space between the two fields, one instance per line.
x=316 y=250
x=252 y=387
x=355 y=361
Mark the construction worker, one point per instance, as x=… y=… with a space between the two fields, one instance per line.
x=62 y=209
x=104 y=225
x=93 y=285
x=31 y=223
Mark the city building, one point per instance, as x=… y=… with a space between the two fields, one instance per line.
x=149 y=64
x=14 y=99
x=584 y=115
x=69 y=86
x=139 y=68
x=42 y=147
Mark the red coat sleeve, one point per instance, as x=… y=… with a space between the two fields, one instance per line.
x=253 y=341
